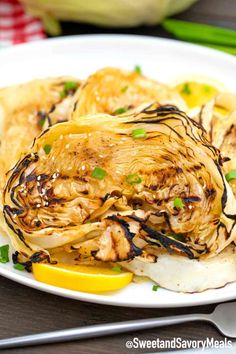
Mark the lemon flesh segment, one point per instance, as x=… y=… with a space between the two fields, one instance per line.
x=81 y=278
x=196 y=94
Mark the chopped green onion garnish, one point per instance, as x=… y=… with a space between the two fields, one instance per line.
x=186 y=89
x=155 y=287
x=98 y=173
x=133 y=179
x=178 y=203
x=138 y=69
x=116 y=269
x=63 y=94
x=139 y=133
x=70 y=85
x=124 y=89
x=41 y=118
x=42 y=121
x=19 y=266
x=207 y=88
x=47 y=148
x=178 y=237
x=4 y=254
x=120 y=110
x=230 y=175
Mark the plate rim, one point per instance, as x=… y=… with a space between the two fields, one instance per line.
x=106 y=299
x=117 y=36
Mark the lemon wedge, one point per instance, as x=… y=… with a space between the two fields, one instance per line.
x=81 y=278
x=195 y=93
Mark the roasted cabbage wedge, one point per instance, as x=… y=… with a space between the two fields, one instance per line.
x=218 y=117
x=115 y=91
x=97 y=190
x=27 y=109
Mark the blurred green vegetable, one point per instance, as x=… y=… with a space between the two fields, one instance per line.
x=211 y=36
x=114 y=13
x=199 y=32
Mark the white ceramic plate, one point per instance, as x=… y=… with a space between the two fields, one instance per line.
x=161 y=59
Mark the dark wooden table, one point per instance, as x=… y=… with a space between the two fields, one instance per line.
x=24 y=310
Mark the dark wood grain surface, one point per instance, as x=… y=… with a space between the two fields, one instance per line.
x=24 y=310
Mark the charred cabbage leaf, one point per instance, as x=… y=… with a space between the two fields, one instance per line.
x=27 y=109
x=115 y=91
x=54 y=199
x=219 y=119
